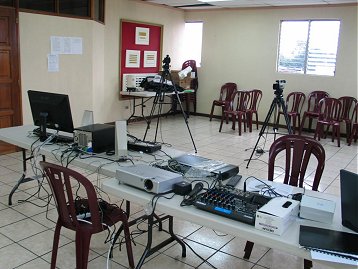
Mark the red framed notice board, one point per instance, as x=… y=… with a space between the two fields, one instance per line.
x=140 y=47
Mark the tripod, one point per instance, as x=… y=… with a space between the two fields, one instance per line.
x=159 y=101
x=278 y=101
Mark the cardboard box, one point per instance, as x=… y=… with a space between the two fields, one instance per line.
x=317 y=209
x=185 y=83
x=275 y=216
x=175 y=76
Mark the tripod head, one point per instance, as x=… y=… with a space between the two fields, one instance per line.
x=278 y=87
x=166 y=65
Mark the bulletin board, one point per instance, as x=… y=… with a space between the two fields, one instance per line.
x=140 y=48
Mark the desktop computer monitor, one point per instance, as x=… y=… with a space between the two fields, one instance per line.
x=50 y=110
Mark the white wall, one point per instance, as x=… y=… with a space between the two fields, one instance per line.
x=91 y=79
x=173 y=28
x=241 y=46
x=238 y=46
x=75 y=75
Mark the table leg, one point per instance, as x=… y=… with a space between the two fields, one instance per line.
x=149 y=250
x=23 y=178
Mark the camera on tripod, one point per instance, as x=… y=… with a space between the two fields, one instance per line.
x=279 y=86
x=166 y=63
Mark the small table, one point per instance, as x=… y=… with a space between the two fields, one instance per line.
x=145 y=96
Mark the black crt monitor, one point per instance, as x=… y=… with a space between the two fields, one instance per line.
x=50 y=110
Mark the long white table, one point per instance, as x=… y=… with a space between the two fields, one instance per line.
x=288 y=242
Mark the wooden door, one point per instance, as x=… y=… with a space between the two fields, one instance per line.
x=10 y=93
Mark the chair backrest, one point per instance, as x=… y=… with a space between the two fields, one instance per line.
x=330 y=109
x=255 y=99
x=239 y=101
x=348 y=104
x=355 y=114
x=194 y=84
x=67 y=186
x=227 y=90
x=295 y=101
x=298 y=152
x=192 y=64
x=314 y=98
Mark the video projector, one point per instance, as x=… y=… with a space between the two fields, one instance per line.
x=148 y=178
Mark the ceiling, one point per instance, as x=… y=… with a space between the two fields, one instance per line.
x=210 y=4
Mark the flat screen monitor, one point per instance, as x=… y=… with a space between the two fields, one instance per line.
x=50 y=110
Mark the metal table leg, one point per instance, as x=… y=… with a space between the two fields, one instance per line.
x=23 y=178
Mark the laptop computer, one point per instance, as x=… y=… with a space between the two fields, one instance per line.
x=216 y=167
x=349 y=201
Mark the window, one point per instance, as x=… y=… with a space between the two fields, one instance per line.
x=88 y=9
x=193 y=40
x=78 y=8
x=308 y=47
x=48 y=5
x=6 y=3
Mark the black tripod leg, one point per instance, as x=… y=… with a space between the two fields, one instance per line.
x=150 y=116
x=267 y=119
x=185 y=116
x=158 y=120
x=285 y=114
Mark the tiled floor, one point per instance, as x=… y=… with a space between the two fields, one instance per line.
x=26 y=233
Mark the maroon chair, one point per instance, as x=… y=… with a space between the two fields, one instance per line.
x=253 y=106
x=66 y=185
x=294 y=104
x=190 y=97
x=312 y=108
x=354 y=131
x=236 y=110
x=330 y=110
x=348 y=105
x=226 y=91
x=298 y=152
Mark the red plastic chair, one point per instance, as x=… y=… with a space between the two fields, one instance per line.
x=312 y=108
x=65 y=185
x=294 y=103
x=255 y=98
x=330 y=110
x=226 y=92
x=348 y=104
x=354 y=132
x=236 y=110
x=194 y=84
x=298 y=152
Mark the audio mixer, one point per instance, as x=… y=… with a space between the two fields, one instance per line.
x=231 y=203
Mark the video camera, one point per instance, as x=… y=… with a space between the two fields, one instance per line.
x=166 y=63
x=279 y=86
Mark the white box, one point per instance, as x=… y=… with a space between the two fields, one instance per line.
x=317 y=209
x=275 y=216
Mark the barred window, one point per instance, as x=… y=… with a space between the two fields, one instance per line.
x=308 y=47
